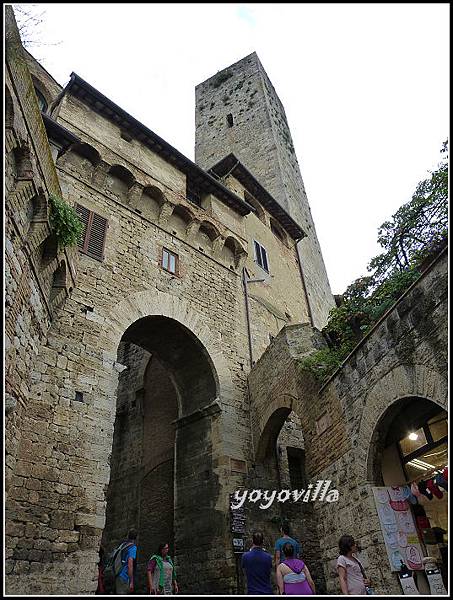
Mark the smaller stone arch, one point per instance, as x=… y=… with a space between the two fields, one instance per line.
x=179 y=220
x=404 y=381
x=270 y=432
x=232 y=252
x=58 y=282
x=119 y=180
x=206 y=235
x=150 y=202
x=48 y=250
x=23 y=162
x=81 y=158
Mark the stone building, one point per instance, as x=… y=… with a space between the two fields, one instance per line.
x=153 y=371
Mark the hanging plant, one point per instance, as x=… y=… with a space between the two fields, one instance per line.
x=64 y=222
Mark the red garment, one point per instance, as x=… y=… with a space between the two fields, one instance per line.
x=434 y=489
x=445 y=473
x=101 y=586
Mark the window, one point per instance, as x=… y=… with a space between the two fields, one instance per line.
x=170 y=261
x=261 y=256
x=42 y=103
x=230 y=120
x=92 y=239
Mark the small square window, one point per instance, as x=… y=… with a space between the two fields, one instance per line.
x=169 y=261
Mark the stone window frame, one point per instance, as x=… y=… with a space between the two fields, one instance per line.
x=261 y=256
x=170 y=253
x=94 y=232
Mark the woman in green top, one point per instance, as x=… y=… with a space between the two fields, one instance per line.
x=161 y=573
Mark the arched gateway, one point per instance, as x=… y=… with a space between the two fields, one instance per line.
x=163 y=479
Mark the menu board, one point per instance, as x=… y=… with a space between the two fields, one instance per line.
x=398 y=527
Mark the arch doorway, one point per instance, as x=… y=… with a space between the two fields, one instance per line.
x=280 y=466
x=410 y=447
x=162 y=481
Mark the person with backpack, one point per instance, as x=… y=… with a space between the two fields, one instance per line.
x=120 y=566
x=161 y=572
x=293 y=576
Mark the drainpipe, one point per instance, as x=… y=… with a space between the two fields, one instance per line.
x=310 y=314
x=247 y=315
x=245 y=282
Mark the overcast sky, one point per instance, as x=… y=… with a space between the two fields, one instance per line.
x=364 y=86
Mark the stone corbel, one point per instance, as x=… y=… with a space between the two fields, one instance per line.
x=165 y=212
x=134 y=194
x=192 y=230
x=240 y=259
x=217 y=245
x=100 y=174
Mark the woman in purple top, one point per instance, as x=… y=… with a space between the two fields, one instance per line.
x=293 y=576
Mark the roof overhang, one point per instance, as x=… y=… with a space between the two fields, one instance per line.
x=79 y=88
x=59 y=134
x=230 y=165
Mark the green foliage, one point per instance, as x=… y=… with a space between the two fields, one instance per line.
x=64 y=222
x=415 y=233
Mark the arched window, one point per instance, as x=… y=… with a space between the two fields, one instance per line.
x=42 y=102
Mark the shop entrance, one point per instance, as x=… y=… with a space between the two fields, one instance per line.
x=411 y=450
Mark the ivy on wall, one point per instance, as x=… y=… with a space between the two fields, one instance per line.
x=64 y=222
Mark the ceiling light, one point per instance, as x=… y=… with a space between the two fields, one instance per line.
x=413 y=436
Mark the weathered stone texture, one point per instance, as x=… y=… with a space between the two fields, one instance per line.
x=403 y=356
x=130 y=401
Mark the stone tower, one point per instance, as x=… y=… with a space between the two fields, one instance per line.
x=238 y=111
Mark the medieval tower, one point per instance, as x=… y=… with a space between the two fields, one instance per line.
x=238 y=111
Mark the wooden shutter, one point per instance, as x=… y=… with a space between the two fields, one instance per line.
x=92 y=239
x=96 y=239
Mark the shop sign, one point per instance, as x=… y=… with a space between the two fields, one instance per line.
x=238 y=545
x=398 y=528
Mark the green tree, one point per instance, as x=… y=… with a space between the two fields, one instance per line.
x=413 y=236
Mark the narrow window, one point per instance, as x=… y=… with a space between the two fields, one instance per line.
x=230 y=120
x=42 y=103
x=261 y=256
x=92 y=238
x=169 y=261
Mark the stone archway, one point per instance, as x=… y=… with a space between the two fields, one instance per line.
x=403 y=381
x=173 y=493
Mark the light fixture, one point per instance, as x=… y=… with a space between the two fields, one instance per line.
x=413 y=436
